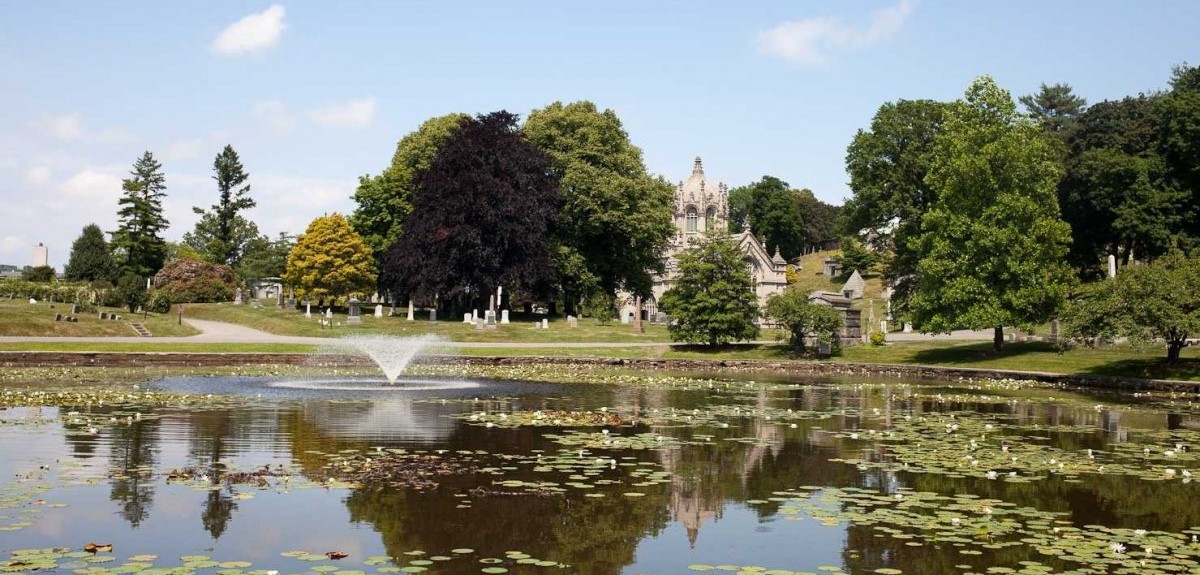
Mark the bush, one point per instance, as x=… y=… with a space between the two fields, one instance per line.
x=878 y=338
x=158 y=302
x=192 y=281
x=38 y=274
x=601 y=306
x=131 y=290
x=802 y=319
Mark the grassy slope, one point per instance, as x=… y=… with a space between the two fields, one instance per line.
x=19 y=317
x=810 y=279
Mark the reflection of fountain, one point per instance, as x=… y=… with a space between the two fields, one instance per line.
x=385 y=420
x=391 y=354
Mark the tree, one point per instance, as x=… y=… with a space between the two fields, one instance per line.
x=131 y=290
x=140 y=222
x=855 y=256
x=713 y=301
x=264 y=258
x=482 y=218
x=614 y=214
x=205 y=240
x=91 y=260
x=330 y=260
x=801 y=318
x=1179 y=111
x=993 y=246
x=1054 y=107
x=888 y=165
x=1155 y=302
x=187 y=281
x=38 y=273
x=820 y=219
x=221 y=234
x=386 y=199
x=1116 y=194
x=772 y=209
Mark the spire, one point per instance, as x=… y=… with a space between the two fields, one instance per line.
x=697 y=168
x=778 y=259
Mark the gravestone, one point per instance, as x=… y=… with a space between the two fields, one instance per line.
x=572 y=321
x=824 y=349
x=329 y=314
x=467 y=318
x=545 y=324
x=58 y=317
x=504 y=317
x=474 y=315
x=1112 y=266
x=379 y=310
x=74 y=308
x=410 y=310
x=72 y=319
x=103 y=315
x=854 y=287
x=256 y=304
x=626 y=317
x=433 y=315
x=32 y=301
x=307 y=309
x=661 y=317
x=355 y=315
x=479 y=324
x=832 y=268
x=883 y=326
x=237 y=297
x=1054 y=330
x=907 y=327
x=490 y=317
x=537 y=325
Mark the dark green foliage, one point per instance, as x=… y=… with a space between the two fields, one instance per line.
x=614 y=215
x=856 y=256
x=38 y=274
x=820 y=219
x=138 y=240
x=801 y=318
x=992 y=246
x=1179 y=112
x=193 y=281
x=713 y=300
x=1054 y=107
x=264 y=258
x=773 y=211
x=158 y=301
x=888 y=164
x=131 y=291
x=1145 y=303
x=91 y=259
x=601 y=306
x=222 y=233
x=481 y=218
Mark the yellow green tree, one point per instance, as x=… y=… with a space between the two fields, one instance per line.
x=330 y=260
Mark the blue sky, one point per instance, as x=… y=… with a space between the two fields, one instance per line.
x=314 y=94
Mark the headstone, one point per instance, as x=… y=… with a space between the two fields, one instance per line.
x=329 y=313
x=545 y=324
x=378 y=310
x=355 y=314
x=410 y=310
x=74 y=308
x=537 y=325
x=1054 y=330
x=474 y=315
x=237 y=297
x=1112 y=266
x=32 y=301
x=490 y=317
x=115 y=317
x=307 y=309
x=883 y=325
x=478 y=324
x=467 y=318
x=824 y=349
x=103 y=315
x=58 y=317
x=626 y=316
x=256 y=304
x=491 y=303
x=572 y=321
x=661 y=317
x=433 y=315
x=907 y=327
x=504 y=317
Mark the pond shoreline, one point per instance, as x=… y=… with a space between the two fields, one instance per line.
x=43 y=359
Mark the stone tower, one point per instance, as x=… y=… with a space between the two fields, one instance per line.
x=699 y=206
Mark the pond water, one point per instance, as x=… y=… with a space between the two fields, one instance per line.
x=594 y=471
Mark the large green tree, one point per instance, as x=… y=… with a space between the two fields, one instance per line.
x=222 y=233
x=615 y=218
x=482 y=218
x=1180 y=116
x=772 y=209
x=820 y=219
x=384 y=200
x=1054 y=107
x=888 y=164
x=992 y=245
x=138 y=240
x=266 y=258
x=330 y=260
x=713 y=300
x=91 y=259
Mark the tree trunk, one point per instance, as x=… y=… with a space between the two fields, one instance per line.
x=1173 y=349
x=998 y=339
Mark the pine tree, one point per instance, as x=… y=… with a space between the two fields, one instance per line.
x=227 y=232
x=1054 y=107
x=138 y=238
x=91 y=259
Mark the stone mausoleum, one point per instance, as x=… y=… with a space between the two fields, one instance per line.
x=700 y=207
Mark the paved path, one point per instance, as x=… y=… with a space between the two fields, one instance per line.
x=221 y=332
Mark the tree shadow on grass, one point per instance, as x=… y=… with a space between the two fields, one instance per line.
x=976 y=352
x=740 y=351
x=1150 y=368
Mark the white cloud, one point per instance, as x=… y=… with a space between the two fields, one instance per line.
x=251 y=33
x=66 y=127
x=94 y=184
x=37 y=175
x=184 y=149
x=353 y=113
x=810 y=41
x=275 y=116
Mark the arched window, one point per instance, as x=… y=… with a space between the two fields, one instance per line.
x=691 y=220
x=710 y=217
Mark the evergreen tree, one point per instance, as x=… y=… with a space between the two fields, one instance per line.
x=138 y=238
x=993 y=246
x=1054 y=107
x=713 y=301
x=225 y=230
x=265 y=258
x=1179 y=111
x=91 y=259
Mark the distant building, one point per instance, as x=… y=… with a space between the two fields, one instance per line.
x=41 y=256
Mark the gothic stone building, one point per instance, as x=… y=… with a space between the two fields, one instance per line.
x=699 y=208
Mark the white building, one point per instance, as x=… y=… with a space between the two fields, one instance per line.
x=699 y=208
x=41 y=256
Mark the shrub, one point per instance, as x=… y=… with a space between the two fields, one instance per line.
x=38 y=274
x=158 y=302
x=193 y=281
x=131 y=290
x=878 y=338
x=802 y=319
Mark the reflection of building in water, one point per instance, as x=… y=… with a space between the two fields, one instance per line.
x=392 y=419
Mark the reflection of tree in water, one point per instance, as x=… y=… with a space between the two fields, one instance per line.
x=134 y=449
x=215 y=435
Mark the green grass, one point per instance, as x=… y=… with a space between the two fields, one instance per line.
x=20 y=318
x=289 y=322
x=151 y=347
x=809 y=279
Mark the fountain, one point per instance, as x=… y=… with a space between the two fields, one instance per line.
x=391 y=354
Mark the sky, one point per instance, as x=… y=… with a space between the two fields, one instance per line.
x=313 y=95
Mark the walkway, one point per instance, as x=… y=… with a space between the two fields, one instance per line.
x=220 y=332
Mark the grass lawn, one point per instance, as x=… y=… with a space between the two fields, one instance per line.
x=289 y=322
x=810 y=280
x=19 y=317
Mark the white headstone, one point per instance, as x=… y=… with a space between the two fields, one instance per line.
x=474 y=314
x=626 y=317
x=491 y=303
x=490 y=317
x=468 y=318
x=504 y=316
x=907 y=327
x=307 y=309
x=883 y=325
x=545 y=324
x=410 y=310
x=329 y=313
x=479 y=324
x=378 y=310
x=433 y=314
x=1112 y=266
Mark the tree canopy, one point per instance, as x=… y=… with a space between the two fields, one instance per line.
x=1179 y=112
x=91 y=259
x=481 y=217
x=801 y=318
x=772 y=209
x=138 y=238
x=614 y=216
x=330 y=260
x=992 y=246
x=264 y=258
x=222 y=232
x=1054 y=107
x=713 y=300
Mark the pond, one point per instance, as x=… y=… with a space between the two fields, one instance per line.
x=559 y=469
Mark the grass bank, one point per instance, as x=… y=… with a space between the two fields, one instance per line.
x=21 y=318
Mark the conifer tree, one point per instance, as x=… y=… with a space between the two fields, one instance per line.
x=138 y=239
x=223 y=231
x=91 y=259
